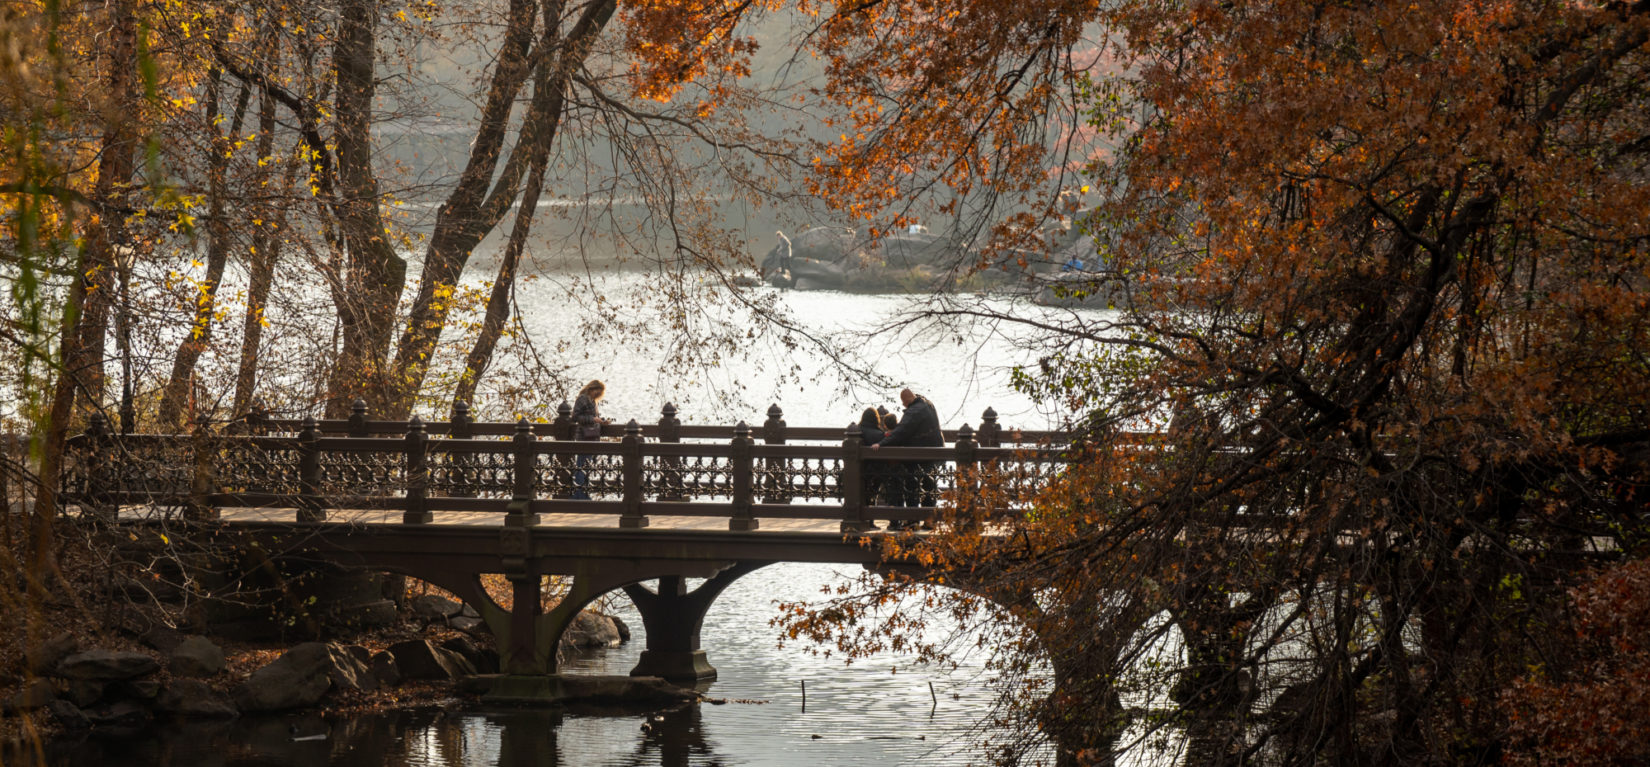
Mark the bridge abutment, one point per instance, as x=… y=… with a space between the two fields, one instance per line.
x=673 y=618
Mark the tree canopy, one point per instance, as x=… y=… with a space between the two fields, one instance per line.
x=1388 y=267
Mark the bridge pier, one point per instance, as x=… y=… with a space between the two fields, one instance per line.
x=673 y=618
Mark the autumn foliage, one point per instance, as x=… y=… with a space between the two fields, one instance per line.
x=1588 y=706
x=1388 y=266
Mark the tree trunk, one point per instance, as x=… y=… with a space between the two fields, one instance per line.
x=498 y=302
x=467 y=219
x=217 y=256
x=375 y=273
x=86 y=312
x=265 y=253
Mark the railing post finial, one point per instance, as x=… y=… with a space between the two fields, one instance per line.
x=670 y=432
x=562 y=427
x=358 y=418
x=991 y=432
x=775 y=486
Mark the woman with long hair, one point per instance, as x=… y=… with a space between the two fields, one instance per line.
x=875 y=474
x=587 y=426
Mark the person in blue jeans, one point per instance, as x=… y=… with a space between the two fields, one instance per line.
x=587 y=426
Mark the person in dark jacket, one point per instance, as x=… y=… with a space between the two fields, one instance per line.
x=919 y=428
x=587 y=426
x=893 y=487
x=875 y=475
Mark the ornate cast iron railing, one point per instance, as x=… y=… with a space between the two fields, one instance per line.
x=525 y=469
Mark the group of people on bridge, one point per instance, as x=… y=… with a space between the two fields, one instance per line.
x=910 y=484
x=886 y=483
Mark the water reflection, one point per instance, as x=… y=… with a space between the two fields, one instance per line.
x=863 y=714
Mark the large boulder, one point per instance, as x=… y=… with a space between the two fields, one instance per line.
x=84 y=692
x=385 y=670
x=68 y=715
x=432 y=607
x=352 y=668
x=106 y=665
x=484 y=661
x=591 y=629
x=139 y=689
x=163 y=638
x=296 y=679
x=44 y=656
x=195 y=699
x=196 y=656
x=418 y=659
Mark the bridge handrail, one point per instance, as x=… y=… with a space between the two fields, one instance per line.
x=667 y=429
x=368 y=467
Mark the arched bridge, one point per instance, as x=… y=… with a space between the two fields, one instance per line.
x=446 y=502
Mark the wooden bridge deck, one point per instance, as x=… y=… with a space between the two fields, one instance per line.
x=392 y=517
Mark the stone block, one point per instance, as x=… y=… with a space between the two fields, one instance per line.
x=68 y=716
x=106 y=665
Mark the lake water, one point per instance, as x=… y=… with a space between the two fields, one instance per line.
x=963 y=368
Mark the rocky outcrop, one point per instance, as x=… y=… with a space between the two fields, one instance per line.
x=385 y=670
x=122 y=714
x=195 y=656
x=68 y=716
x=484 y=661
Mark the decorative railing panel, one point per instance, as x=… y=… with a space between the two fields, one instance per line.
x=257 y=466
x=365 y=474
x=489 y=474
